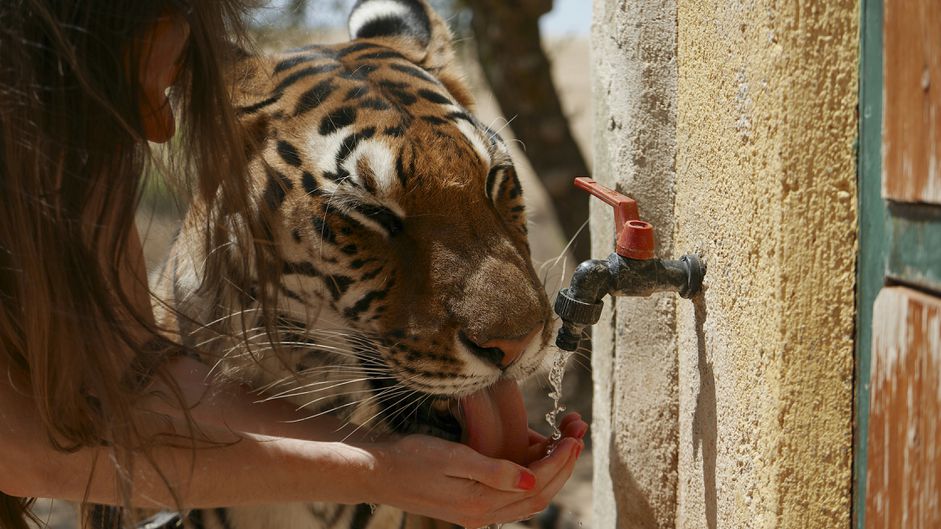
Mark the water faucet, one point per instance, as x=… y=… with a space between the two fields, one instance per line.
x=632 y=270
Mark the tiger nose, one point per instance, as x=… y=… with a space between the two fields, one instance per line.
x=502 y=352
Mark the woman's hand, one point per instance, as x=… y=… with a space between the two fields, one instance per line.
x=571 y=425
x=451 y=482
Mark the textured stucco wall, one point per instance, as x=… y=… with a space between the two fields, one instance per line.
x=764 y=189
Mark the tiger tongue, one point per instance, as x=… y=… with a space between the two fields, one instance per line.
x=495 y=422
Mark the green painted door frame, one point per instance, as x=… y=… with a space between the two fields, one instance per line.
x=898 y=243
x=872 y=233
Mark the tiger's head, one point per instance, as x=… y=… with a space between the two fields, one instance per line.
x=407 y=295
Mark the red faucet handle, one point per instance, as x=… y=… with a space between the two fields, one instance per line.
x=635 y=238
x=636 y=241
x=625 y=208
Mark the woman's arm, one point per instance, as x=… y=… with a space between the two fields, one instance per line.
x=420 y=474
x=230 y=406
x=243 y=470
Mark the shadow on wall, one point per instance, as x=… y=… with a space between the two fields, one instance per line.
x=633 y=509
x=704 y=417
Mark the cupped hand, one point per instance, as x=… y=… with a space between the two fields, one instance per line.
x=451 y=482
x=571 y=425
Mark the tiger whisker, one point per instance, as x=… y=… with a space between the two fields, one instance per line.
x=296 y=392
x=329 y=369
x=505 y=125
x=302 y=345
x=546 y=267
x=336 y=408
x=415 y=406
x=367 y=421
x=404 y=397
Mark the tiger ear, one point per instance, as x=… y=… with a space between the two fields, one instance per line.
x=415 y=30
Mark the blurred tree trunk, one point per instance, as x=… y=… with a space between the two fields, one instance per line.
x=509 y=47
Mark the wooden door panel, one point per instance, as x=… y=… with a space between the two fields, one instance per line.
x=912 y=125
x=904 y=434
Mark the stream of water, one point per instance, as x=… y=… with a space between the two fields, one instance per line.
x=555 y=380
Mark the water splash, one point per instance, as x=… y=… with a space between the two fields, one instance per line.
x=555 y=380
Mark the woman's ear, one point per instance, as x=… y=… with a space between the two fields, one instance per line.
x=160 y=48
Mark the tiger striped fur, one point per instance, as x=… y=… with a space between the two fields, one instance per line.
x=400 y=222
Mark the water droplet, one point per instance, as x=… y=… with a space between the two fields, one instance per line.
x=555 y=381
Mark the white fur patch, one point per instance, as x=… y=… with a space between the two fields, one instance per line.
x=497 y=182
x=473 y=136
x=326 y=148
x=374 y=10
x=379 y=158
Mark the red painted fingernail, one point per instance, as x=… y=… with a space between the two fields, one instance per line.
x=527 y=481
x=578 y=449
x=582 y=430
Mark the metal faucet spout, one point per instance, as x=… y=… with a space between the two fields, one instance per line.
x=580 y=305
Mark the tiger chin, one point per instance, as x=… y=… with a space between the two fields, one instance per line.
x=407 y=302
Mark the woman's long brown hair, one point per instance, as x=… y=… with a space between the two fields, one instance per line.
x=72 y=156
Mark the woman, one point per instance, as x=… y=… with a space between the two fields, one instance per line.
x=85 y=374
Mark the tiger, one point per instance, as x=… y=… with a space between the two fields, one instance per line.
x=407 y=289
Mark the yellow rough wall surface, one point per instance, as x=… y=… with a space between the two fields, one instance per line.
x=765 y=190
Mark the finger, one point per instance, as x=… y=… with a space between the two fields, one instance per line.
x=576 y=428
x=558 y=481
x=536 y=437
x=537 y=451
x=498 y=474
x=569 y=417
x=535 y=503
x=549 y=465
x=563 y=424
x=552 y=472
x=566 y=422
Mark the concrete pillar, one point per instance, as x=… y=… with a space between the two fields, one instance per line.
x=766 y=189
x=733 y=123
